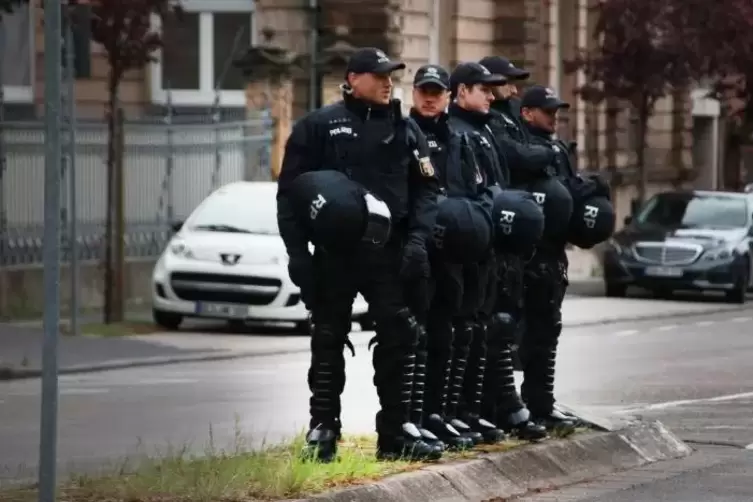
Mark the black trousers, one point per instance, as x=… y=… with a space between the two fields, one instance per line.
x=373 y=272
x=473 y=327
x=545 y=287
x=458 y=293
x=500 y=397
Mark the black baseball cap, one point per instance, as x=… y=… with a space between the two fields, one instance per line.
x=503 y=66
x=432 y=74
x=538 y=96
x=474 y=73
x=372 y=60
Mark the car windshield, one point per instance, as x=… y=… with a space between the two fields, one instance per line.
x=237 y=212
x=694 y=211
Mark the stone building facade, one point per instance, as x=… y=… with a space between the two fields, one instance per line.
x=536 y=34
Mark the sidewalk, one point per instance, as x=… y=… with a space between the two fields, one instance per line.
x=21 y=345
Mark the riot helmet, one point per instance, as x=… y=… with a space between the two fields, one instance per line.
x=592 y=222
x=462 y=231
x=518 y=221
x=555 y=200
x=337 y=212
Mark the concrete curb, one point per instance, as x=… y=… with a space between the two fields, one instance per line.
x=10 y=373
x=544 y=466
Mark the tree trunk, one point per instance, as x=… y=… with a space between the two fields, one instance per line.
x=113 y=85
x=644 y=113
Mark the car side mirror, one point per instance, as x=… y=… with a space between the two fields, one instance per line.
x=628 y=220
x=176 y=226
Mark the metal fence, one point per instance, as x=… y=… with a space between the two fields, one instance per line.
x=168 y=169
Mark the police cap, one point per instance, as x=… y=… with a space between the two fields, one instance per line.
x=432 y=74
x=503 y=66
x=462 y=231
x=471 y=74
x=372 y=60
x=592 y=222
x=538 y=96
x=518 y=221
x=557 y=204
x=337 y=212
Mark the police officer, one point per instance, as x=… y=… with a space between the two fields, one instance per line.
x=471 y=86
x=463 y=235
x=525 y=162
x=366 y=137
x=546 y=273
x=506 y=105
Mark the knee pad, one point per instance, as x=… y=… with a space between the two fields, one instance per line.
x=327 y=338
x=502 y=327
x=463 y=333
x=402 y=330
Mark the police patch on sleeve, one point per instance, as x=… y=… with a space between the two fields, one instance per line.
x=426 y=168
x=424 y=164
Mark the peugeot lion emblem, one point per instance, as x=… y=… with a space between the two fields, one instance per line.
x=230 y=259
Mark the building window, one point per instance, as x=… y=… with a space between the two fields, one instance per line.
x=198 y=53
x=17 y=55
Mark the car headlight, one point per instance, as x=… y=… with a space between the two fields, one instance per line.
x=180 y=249
x=718 y=254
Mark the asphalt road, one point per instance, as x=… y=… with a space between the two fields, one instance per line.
x=692 y=373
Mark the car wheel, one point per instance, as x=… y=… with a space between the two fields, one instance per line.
x=739 y=294
x=167 y=320
x=615 y=289
x=662 y=293
x=236 y=325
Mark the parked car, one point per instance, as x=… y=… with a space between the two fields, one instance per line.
x=228 y=261
x=695 y=240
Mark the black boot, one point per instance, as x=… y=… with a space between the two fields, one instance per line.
x=557 y=423
x=538 y=387
x=394 y=376
x=547 y=415
x=437 y=383
x=419 y=393
x=510 y=414
x=326 y=380
x=461 y=352
x=450 y=436
x=473 y=389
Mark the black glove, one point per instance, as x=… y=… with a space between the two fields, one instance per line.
x=414 y=272
x=301 y=271
x=415 y=263
x=602 y=187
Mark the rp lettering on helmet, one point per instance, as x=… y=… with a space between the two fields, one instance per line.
x=439 y=231
x=590 y=215
x=316 y=206
x=506 y=220
x=540 y=198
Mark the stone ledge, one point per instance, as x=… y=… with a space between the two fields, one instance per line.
x=543 y=466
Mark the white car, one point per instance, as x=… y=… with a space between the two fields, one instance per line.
x=228 y=261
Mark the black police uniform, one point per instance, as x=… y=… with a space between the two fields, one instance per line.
x=471 y=330
x=545 y=286
x=463 y=188
x=387 y=154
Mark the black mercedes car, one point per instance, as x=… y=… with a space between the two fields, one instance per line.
x=694 y=240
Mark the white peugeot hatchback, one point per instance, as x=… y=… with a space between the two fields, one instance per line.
x=228 y=261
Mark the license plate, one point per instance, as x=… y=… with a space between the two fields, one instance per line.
x=221 y=310
x=664 y=271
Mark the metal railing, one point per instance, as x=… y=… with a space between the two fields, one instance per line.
x=169 y=168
